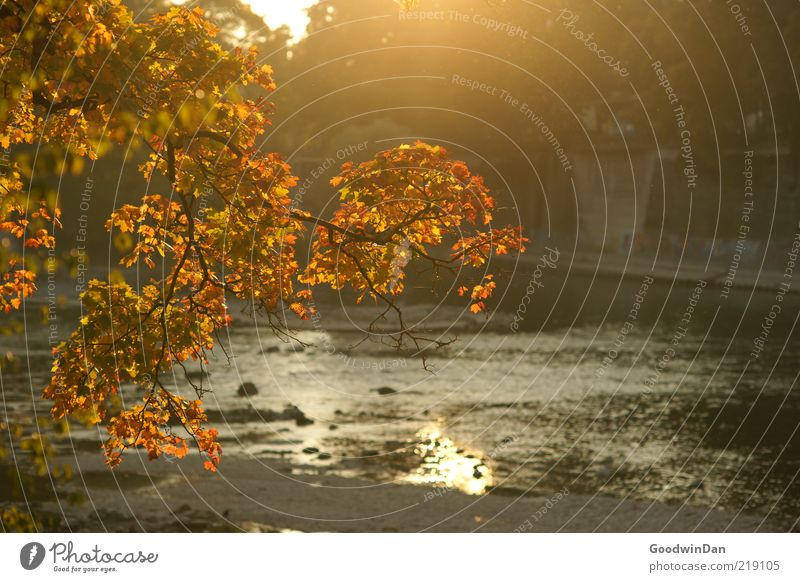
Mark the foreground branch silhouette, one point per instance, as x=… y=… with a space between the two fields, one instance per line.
x=82 y=76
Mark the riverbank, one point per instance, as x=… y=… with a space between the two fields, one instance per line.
x=590 y=408
x=249 y=495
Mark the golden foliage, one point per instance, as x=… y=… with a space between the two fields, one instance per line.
x=82 y=74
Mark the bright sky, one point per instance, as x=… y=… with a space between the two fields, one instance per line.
x=288 y=12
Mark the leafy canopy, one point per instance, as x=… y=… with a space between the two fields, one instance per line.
x=81 y=76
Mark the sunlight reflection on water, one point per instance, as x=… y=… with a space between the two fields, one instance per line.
x=444 y=464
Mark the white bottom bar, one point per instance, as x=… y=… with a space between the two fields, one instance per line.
x=401 y=557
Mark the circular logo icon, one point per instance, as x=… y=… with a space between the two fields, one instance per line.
x=31 y=555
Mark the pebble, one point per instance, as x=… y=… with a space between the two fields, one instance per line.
x=247 y=389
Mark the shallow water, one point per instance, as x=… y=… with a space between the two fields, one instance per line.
x=532 y=412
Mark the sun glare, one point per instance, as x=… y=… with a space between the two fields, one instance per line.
x=291 y=13
x=446 y=465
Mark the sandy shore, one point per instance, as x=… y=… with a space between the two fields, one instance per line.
x=247 y=495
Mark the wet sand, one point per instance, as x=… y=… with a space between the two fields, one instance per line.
x=247 y=495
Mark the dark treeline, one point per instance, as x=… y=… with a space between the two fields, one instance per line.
x=651 y=110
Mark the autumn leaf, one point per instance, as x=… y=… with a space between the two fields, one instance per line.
x=202 y=135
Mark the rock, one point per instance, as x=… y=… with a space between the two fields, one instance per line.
x=384 y=390
x=291 y=412
x=311 y=450
x=697 y=485
x=324 y=456
x=247 y=389
x=333 y=427
x=369 y=453
x=270 y=350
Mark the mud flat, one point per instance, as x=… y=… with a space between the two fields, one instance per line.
x=250 y=495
